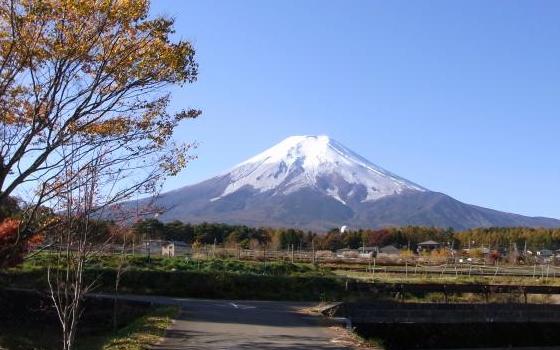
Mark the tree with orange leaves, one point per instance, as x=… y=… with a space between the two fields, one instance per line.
x=12 y=252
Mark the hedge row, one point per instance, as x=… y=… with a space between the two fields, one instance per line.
x=198 y=284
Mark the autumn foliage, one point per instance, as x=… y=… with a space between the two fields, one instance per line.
x=85 y=122
x=84 y=98
x=13 y=245
x=86 y=80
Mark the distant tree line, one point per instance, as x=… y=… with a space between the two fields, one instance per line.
x=229 y=235
x=401 y=237
x=284 y=238
x=521 y=237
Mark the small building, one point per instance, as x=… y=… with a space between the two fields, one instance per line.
x=390 y=250
x=150 y=246
x=347 y=253
x=545 y=253
x=482 y=251
x=168 y=249
x=368 y=249
x=428 y=246
x=182 y=248
x=368 y=252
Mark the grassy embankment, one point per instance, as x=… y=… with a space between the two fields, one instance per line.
x=207 y=279
x=234 y=279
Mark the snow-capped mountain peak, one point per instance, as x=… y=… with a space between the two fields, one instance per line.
x=315 y=183
x=317 y=162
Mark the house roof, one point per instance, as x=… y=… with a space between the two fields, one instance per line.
x=389 y=248
x=429 y=243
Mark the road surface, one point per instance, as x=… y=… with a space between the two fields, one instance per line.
x=266 y=325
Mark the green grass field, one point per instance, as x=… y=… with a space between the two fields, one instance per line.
x=172 y=264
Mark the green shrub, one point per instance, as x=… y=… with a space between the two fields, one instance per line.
x=200 y=284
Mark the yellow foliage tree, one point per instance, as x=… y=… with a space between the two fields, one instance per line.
x=83 y=80
x=85 y=119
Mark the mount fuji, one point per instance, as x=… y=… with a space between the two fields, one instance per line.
x=314 y=182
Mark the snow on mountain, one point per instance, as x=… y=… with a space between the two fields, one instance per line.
x=315 y=183
x=317 y=162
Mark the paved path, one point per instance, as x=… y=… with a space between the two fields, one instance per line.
x=267 y=325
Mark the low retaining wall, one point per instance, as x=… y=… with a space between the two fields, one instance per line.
x=394 y=313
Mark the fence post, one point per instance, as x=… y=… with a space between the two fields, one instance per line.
x=406 y=268
x=292 y=246
x=264 y=257
x=214 y=249
x=313 y=249
x=534 y=270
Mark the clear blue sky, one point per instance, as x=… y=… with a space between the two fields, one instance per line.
x=462 y=97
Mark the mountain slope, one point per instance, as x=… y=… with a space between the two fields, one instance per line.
x=316 y=162
x=313 y=182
